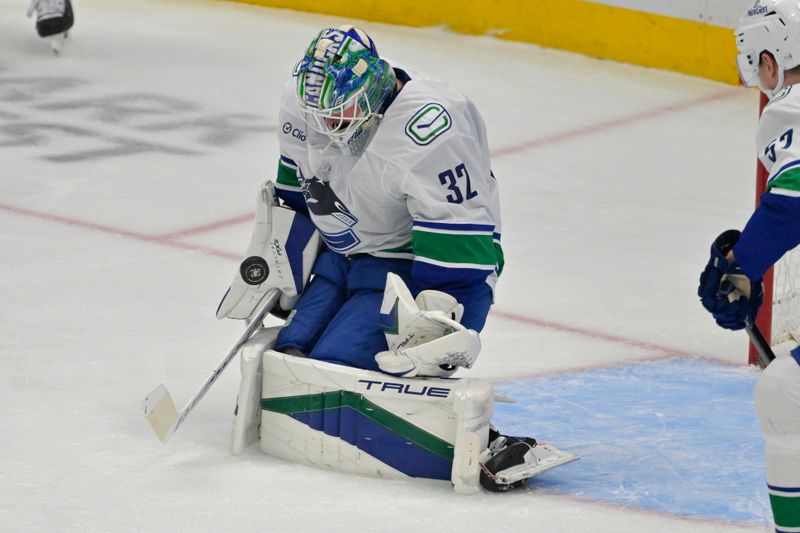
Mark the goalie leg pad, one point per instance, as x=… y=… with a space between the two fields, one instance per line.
x=247 y=415
x=364 y=422
x=473 y=405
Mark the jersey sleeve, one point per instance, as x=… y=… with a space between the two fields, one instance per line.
x=774 y=227
x=453 y=201
x=773 y=230
x=287 y=185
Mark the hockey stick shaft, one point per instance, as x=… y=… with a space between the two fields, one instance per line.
x=163 y=433
x=765 y=353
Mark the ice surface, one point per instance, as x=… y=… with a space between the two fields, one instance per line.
x=128 y=168
x=677 y=435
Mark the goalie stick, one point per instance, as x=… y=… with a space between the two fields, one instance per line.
x=158 y=407
x=765 y=353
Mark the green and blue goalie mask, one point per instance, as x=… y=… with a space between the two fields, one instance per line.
x=342 y=84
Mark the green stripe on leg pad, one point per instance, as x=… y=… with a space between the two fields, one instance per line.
x=293 y=405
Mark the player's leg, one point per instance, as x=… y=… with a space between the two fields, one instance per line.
x=317 y=306
x=354 y=335
x=777 y=401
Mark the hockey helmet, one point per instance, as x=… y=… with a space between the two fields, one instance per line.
x=772 y=26
x=342 y=83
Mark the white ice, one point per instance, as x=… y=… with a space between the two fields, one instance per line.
x=115 y=158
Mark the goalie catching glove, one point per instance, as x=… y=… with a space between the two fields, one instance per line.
x=282 y=251
x=424 y=336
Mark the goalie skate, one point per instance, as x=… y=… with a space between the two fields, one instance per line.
x=509 y=461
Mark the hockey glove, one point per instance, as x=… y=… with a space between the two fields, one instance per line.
x=729 y=295
x=424 y=341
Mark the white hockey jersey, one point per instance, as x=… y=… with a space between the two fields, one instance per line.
x=778 y=150
x=773 y=228
x=423 y=188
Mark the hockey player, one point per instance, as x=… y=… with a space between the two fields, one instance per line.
x=768 y=39
x=54 y=18
x=392 y=166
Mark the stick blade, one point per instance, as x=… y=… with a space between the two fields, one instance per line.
x=159 y=409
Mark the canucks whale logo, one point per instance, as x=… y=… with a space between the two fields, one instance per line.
x=322 y=201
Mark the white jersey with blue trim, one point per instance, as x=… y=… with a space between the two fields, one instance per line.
x=777 y=145
x=772 y=229
x=422 y=189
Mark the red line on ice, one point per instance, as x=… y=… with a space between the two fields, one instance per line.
x=549 y=324
x=232 y=221
x=116 y=231
x=598 y=127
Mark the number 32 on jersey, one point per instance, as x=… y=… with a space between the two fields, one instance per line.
x=454 y=180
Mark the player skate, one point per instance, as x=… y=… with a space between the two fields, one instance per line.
x=54 y=18
x=510 y=461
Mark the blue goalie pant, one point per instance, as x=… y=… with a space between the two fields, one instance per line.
x=336 y=318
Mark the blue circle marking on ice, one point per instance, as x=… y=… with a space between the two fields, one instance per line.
x=678 y=436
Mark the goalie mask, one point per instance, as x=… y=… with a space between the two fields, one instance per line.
x=342 y=84
x=772 y=26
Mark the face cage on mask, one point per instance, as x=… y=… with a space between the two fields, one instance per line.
x=335 y=123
